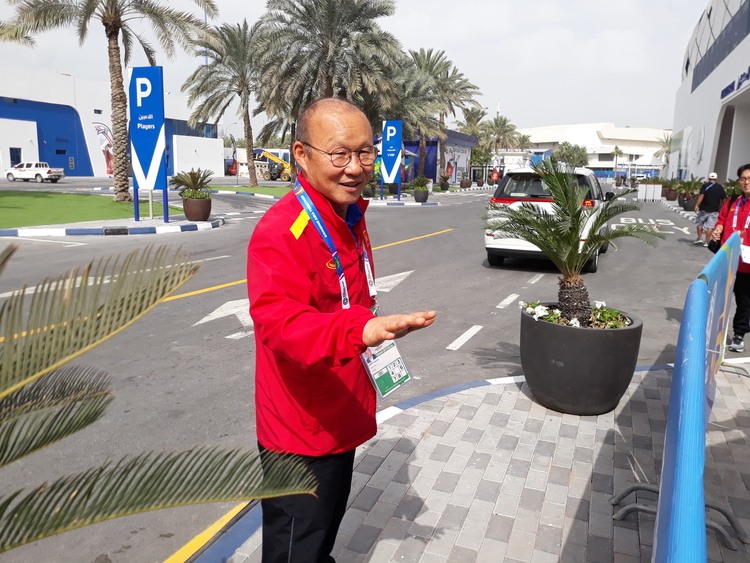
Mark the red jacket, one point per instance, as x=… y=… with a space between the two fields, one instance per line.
x=726 y=218
x=312 y=393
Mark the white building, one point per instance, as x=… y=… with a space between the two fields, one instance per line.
x=66 y=121
x=712 y=106
x=639 y=146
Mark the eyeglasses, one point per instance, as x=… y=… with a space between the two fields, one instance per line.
x=743 y=179
x=341 y=156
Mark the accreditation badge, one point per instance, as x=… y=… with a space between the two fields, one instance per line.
x=745 y=253
x=386 y=367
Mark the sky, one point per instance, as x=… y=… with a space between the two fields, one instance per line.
x=537 y=62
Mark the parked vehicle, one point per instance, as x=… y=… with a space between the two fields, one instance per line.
x=522 y=185
x=37 y=171
x=277 y=167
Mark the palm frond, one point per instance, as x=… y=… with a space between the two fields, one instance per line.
x=5 y=255
x=149 y=481
x=51 y=408
x=75 y=312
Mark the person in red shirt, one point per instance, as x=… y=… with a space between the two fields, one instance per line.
x=735 y=216
x=310 y=279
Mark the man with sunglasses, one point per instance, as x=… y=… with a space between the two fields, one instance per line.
x=310 y=279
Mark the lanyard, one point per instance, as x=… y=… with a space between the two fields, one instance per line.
x=740 y=203
x=320 y=226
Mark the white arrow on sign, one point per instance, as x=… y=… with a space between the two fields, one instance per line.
x=387 y=283
x=240 y=308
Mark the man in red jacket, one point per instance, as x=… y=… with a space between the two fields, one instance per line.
x=735 y=216
x=310 y=279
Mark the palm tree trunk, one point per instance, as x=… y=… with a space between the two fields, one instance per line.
x=249 y=145
x=119 y=117
x=441 y=156
x=292 y=162
x=422 y=154
x=573 y=300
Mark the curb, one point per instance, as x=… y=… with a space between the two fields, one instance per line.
x=109 y=231
x=679 y=211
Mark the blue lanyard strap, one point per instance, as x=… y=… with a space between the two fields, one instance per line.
x=320 y=226
x=740 y=203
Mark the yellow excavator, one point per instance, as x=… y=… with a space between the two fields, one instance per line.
x=277 y=167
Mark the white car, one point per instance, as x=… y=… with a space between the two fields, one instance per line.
x=37 y=171
x=522 y=185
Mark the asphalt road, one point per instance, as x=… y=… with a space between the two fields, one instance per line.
x=183 y=375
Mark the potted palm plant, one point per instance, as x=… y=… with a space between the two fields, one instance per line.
x=444 y=182
x=576 y=360
x=689 y=192
x=465 y=182
x=196 y=198
x=420 y=188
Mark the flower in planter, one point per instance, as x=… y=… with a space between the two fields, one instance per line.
x=601 y=315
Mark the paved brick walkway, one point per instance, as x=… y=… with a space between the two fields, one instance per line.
x=486 y=474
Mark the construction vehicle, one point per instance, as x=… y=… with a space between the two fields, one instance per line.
x=277 y=168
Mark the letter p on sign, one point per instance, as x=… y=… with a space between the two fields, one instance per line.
x=390 y=131
x=142 y=90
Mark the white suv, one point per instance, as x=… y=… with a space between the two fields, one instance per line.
x=524 y=184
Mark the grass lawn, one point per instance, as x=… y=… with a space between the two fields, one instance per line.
x=27 y=209
x=282 y=190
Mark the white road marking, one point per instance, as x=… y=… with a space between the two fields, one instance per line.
x=536 y=278
x=387 y=283
x=510 y=379
x=464 y=338
x=737 y=361
x=507 y=301
x=63 y=242
x=241 y=334
x=31 y=290
x=240 y=308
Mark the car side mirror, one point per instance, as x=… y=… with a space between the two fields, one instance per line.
x=609 y=195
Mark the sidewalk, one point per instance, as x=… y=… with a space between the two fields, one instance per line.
x=480 y=472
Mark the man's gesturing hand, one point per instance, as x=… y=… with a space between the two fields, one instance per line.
x=380 y=329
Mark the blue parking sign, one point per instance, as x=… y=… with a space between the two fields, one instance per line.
x=392 y=153
x=147 y=135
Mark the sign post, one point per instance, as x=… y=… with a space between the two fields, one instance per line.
x=392 y=144
x=147 y=134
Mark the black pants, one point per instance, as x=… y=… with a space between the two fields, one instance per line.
x=741 y=321
x=303 y=528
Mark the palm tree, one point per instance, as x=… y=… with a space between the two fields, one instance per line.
x=116 y=16
x=499 y=133
x=452 y=90
x=310 y=49
x=43 y=401
x=523 y=142
x=471 y=125
x=617 y=152
x=229 y=73
x=665 y=148
x=416 y=107
x=561 y=234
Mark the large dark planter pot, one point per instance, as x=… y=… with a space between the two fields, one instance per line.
x=444 y=186
x=197 y=209
x=392 y=188
x=421 y=195
x=689 y=203
x=671 y=195
x=582 y=371
x=368 y=192
x=465 y=184
x=681 y=200
x=480 y=183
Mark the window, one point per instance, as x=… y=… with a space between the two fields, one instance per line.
x=98 y=111
x=61 y=151
x=15 y=156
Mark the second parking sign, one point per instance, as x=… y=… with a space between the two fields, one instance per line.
x=147 y=135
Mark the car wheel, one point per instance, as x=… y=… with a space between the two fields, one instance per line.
x=266 y=176
x=604 y=248
x=495 y=260
x=38 y=179
x=285 y=177
x=592 y=265
x=11 y=178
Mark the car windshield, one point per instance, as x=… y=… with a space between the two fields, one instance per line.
x=527 y=186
